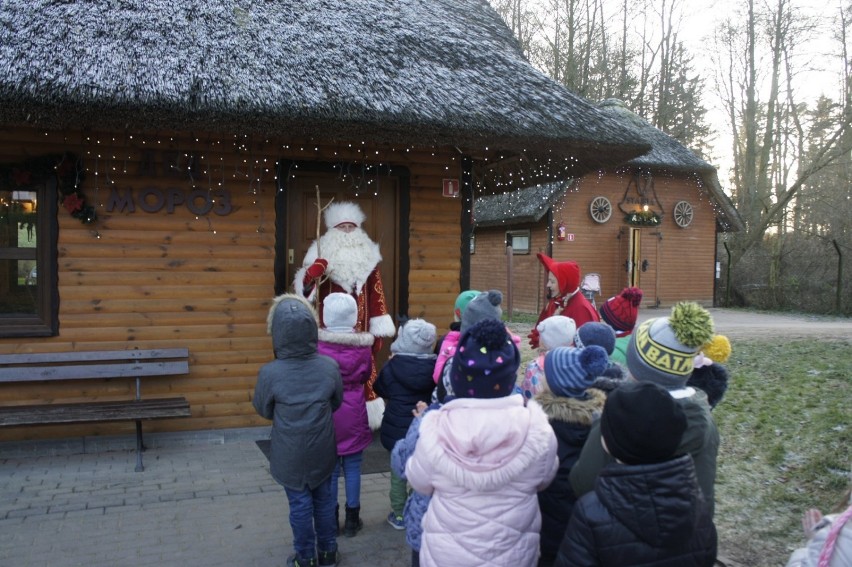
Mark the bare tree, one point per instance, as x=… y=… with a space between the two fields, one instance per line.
x=764 y=141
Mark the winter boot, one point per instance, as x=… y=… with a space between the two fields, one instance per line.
x=298 y=561
x=329 y=558
x=353 y=522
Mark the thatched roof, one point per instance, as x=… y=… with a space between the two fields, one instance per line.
x=418 y=72
x=517 y=207
x=670 y=155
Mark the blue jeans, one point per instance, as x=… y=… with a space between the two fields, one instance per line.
x=351 y=465
x=312 y=518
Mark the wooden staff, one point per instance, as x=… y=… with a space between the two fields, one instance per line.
x=320 y=280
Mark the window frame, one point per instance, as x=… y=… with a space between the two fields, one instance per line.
x=45 y=322
x=524 y=233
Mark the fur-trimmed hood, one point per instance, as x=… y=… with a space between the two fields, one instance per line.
x=572 y=410
x=293 y=324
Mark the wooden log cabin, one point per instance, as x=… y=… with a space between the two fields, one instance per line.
x=159 y=165
x=651 y=222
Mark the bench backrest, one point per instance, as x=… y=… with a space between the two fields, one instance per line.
x=93 y=364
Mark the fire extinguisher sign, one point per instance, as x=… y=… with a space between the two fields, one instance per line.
x=451 y=188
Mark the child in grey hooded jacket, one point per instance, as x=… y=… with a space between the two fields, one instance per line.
x=299 y=392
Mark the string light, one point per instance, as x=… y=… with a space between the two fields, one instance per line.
x=358 y=163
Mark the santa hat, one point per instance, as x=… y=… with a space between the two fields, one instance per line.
x=339 y=312
x=662 y=350
x=570 y=371
x=486 y=362
x=556 y=331
x=338 y=213
x=620 y=312
x=567 y=273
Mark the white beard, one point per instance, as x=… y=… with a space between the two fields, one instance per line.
x=351 y=256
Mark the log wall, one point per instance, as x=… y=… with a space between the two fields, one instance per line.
x=682 y=260
x=204 y=282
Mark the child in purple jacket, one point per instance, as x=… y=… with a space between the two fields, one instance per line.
x=353 y=353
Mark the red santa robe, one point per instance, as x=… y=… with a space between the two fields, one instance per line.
x=354 y=271
x=570 y=302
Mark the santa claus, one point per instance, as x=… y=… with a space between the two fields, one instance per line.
x=345 y=260
x=563 y=294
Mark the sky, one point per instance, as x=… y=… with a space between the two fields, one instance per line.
x=702 y=18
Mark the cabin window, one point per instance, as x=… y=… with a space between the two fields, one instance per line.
x=28 y=261
x=519 y=240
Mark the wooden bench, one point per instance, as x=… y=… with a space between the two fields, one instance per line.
x=89 y=365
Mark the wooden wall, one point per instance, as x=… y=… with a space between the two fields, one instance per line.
x=161 y=279
x=490 y=261
x=682 y=260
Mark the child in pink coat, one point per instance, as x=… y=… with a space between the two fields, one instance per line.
x=482 y=457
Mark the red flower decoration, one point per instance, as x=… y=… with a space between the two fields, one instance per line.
x=73 y=203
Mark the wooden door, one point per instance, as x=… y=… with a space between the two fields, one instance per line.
x=643 y=263
x=380 y=208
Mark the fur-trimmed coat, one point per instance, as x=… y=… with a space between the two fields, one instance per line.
x=365 y=286
x=299 y=392
x=353 y=353
x=361 y=278
x=482 y=461
x=571 y=419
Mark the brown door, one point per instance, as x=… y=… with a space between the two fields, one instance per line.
x=379 y=204
x=643 y=263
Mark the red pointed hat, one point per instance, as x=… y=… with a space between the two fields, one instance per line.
x=567 y=273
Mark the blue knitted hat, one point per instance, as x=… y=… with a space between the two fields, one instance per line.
x=570 y=371
x=486 y=362
x=594 y=333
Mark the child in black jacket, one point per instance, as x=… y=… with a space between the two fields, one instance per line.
x=405 y=379
x=646 y=508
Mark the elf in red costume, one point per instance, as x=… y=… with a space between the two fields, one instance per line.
x=345 y=260
x=563 y=294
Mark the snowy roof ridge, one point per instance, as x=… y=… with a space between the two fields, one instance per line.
x=394 y=71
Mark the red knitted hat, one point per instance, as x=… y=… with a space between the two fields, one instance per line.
x=620 y=311
x=567 y=273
